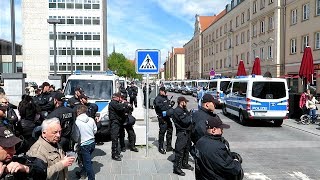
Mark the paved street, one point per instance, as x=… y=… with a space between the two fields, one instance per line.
x=288 y=152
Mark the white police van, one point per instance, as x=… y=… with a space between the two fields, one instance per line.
x=216 y=88
x=98 y=86
x=257 y=98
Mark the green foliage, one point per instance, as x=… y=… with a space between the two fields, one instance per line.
x=118 y=63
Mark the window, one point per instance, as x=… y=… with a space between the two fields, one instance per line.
x=79 y=36
x=230 y=28
x=95 y=6
x=237 y=40
x=95 y=21
x=262 y=53
x=221 y=31
x=96 y=37
x=317 y=40
x=78 y=6
x=306 y=11
x=237 y=21
x=248 y=15
x=87 y=52
x=242 y=56
x=294 y=16
x=293 y=46
x=220 y=63
x=262 y=30
x=79 y=20
x=225 y=28
x=270 y=53
x=220 y=46
x=254 y=7
x=271 y=23
x=61 y=5
x=254 y=53
x=87 y=20
x=254 y=30
x=242 y=18
x=269 y=90
x=318 y=7
x=262 y=4
x=87 y=6
x=70 y=6
x=248 y=35
x=242 y=37
x=52 y=5
x=270 y=1
x=248 y=57
x=70 y=20
x=305 y=42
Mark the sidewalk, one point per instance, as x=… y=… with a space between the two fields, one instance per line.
x=311 y=128
x=135 y=165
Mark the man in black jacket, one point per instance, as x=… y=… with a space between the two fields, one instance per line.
x=116 y=111
x=183 y=122
x=14 y=167
x=200 y=117
x=133 y=92
x=145 y=93
x=213 y=157
x=75 y=100
x=67 y=118
x=162 y=106
x=45 y=100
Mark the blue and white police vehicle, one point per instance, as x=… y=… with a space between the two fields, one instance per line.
x=216 y=88
x=257 y=98
x=98 y=86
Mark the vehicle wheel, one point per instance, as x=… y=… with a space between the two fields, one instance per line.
x=224 y=110
x=278 y=122
x=242 y=119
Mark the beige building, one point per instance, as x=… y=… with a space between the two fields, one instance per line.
x=254 y=28
x=175 y=65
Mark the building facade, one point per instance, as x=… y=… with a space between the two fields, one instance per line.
x=174 y=67
x=273 y=30
x=86 y=19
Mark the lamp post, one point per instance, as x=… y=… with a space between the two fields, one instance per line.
x=54 y=22
x=71 y=36
x=13 y=38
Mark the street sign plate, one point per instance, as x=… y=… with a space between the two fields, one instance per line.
x=147 y=61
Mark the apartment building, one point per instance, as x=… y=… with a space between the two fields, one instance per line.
x=85 y=19
x=174 y=67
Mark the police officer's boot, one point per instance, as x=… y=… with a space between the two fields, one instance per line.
x=177 y=167
x=185 y=164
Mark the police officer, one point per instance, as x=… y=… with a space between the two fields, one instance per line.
x=162 y=106
x=128 y=126
x=183 y=122
x=145 y=93
x=214 y=160
x=67 y=118
x=123 y=92
x=45 y=100
x=75 y=100
x=116 y=110
x=92 y=107
x=133 y=92
x=200 y=117
x=14 y=167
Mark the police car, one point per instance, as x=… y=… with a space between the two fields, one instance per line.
x=216 y=88
x=257 y=98
x=99 y=87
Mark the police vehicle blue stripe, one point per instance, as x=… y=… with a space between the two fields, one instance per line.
x=101 y=105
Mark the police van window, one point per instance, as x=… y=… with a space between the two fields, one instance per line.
x=224 y=85
x=268 y=90
x=242 y=89
x=212 y=85
x=94 y=89
x=236 y=87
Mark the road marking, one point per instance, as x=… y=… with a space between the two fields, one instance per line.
x=256 y=176
x=300 y=175
x=273 y=144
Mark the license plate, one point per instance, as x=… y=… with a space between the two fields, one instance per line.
x=259 y=114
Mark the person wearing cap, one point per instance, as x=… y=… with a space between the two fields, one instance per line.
x=133 y=92
x=183 y=122
x=67 y=117
x=72 y=102
x=213 y=158
x=162 y=105
x=45 y=100
x=199 y=117
x=123 y=92
x=116 y=111
x=14 y=167
x=47 y=149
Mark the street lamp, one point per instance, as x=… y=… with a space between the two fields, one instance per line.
x=71 y=36
x=54 y=22
x=13 y=38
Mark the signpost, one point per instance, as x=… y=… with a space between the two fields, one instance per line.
x=147 y=62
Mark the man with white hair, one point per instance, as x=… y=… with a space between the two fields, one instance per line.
x=47 y=149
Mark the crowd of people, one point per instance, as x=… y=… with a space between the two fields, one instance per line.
x=198 y=133
x=308 y=106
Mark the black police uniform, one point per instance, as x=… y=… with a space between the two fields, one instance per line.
x=145 y=94
x=129 y=128
x=123 y=92
x=37 y=169
x=116 y=110
x=183 y=123
x=162 y=103
x=199 y=119
x=73 y=101
x=133 y=92
x=67 y=118
x=214 y=159
x=45 y=102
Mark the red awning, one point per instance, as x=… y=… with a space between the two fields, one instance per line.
x=306 y=67
x=241 y=69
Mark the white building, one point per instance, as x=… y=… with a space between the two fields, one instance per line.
x=85 y=18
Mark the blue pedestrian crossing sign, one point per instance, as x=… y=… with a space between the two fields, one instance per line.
x=147 y=61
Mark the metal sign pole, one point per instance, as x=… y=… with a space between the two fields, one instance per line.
x=147 y=116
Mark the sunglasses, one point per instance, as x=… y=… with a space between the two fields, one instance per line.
x=5 y=102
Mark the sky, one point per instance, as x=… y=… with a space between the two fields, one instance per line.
x=137 y=24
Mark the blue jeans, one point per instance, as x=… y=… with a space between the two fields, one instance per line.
x=313 y=113
x=86 y=152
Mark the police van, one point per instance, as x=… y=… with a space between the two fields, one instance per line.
x=257 y=98
x=98 y=86
x=216 y=88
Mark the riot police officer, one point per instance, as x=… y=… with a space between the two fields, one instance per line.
x=133 y=92
x=66 y=117
x=162 y=105
x=75 y=100
x=45 y=100
x=116 y=110
x=183 y=122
